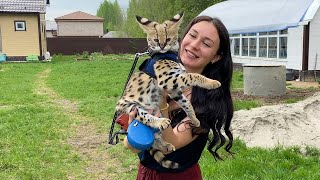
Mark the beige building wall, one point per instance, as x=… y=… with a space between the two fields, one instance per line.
x=19 y=43
x=0 y=40
x=80 y=28
x=43 y=34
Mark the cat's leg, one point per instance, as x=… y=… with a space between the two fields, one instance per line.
x=148 y=119
x=160 y=158
x=186 y=106
x=162 y=145
x=195 y=79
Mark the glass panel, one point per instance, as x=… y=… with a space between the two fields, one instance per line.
x=284 y=31
x=231 y=46
x=262 y=47
x=20 y=25
x=272 y=47
x=263 y=33
x=253 y=47
x=272 y=33
x=245 y=47
x=237 y=46
x=283 y=47
x=249 y=34
x=252 y=34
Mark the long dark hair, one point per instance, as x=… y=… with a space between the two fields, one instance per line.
x=214 y=108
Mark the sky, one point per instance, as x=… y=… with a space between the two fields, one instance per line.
x=59 y=8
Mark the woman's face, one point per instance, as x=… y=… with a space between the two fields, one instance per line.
x=200 y=46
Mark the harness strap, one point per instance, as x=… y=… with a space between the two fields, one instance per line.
x=147 y=65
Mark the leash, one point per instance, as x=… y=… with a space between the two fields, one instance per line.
x=115 y=136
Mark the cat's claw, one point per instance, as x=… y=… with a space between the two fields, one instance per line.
x=163 y=123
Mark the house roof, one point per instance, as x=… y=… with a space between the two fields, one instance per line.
x=23 y=6
x=249 y=16
x=78 y=16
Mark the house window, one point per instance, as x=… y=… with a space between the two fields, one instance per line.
x=271 y=44
x=283 y=47
x=272 y=33
x=20 y=25
x=237 y=46
x=284 y=31
x=272 y=51
x=253 y=47
x=245 y=44
x=263 y=47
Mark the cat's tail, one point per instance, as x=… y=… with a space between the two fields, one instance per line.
x=195 y=79
x=160 y=158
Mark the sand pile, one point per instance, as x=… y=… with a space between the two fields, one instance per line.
x=285 y=124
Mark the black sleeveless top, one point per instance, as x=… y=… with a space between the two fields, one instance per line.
x=186 y=156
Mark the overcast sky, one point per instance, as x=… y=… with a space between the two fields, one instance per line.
x=59 y=8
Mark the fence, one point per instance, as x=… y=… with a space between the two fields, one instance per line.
x=74 y=45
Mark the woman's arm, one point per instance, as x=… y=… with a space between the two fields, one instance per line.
x=179 y=136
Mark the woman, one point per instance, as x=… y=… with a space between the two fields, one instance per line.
x=204 y=49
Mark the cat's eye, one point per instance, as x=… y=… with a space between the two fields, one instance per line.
x=168 y=39
x=156 y=40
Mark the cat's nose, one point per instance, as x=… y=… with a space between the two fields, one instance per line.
x=162 y=46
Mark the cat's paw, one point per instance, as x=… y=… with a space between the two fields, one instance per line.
x=170 y=148
x=215 y=84
x=163 y=123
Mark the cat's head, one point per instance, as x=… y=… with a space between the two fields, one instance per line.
x=162 y=37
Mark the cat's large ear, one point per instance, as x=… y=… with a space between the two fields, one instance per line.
x=175 y=21
x=145 y=23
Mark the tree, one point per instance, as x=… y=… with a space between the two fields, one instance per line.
x=142 y=8
x=112 y=15
x=161 y=10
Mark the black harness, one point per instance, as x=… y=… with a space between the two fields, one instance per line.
x=147 y=65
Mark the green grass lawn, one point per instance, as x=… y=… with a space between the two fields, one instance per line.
x=34 y=131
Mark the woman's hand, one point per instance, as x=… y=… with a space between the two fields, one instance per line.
x=132 y=115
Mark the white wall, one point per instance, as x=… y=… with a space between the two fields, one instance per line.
x=314 y=42
x=295 y=46
x=258 y=61
x=81 y=28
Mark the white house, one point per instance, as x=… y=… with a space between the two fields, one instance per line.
x=79 y=24
x=273 y=32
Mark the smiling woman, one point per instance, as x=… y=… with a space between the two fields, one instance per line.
x=200 y=46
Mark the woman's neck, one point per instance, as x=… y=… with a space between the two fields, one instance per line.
x=194 y=70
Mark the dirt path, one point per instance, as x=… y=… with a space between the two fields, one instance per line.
x=301 y=84
x=86 y=141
